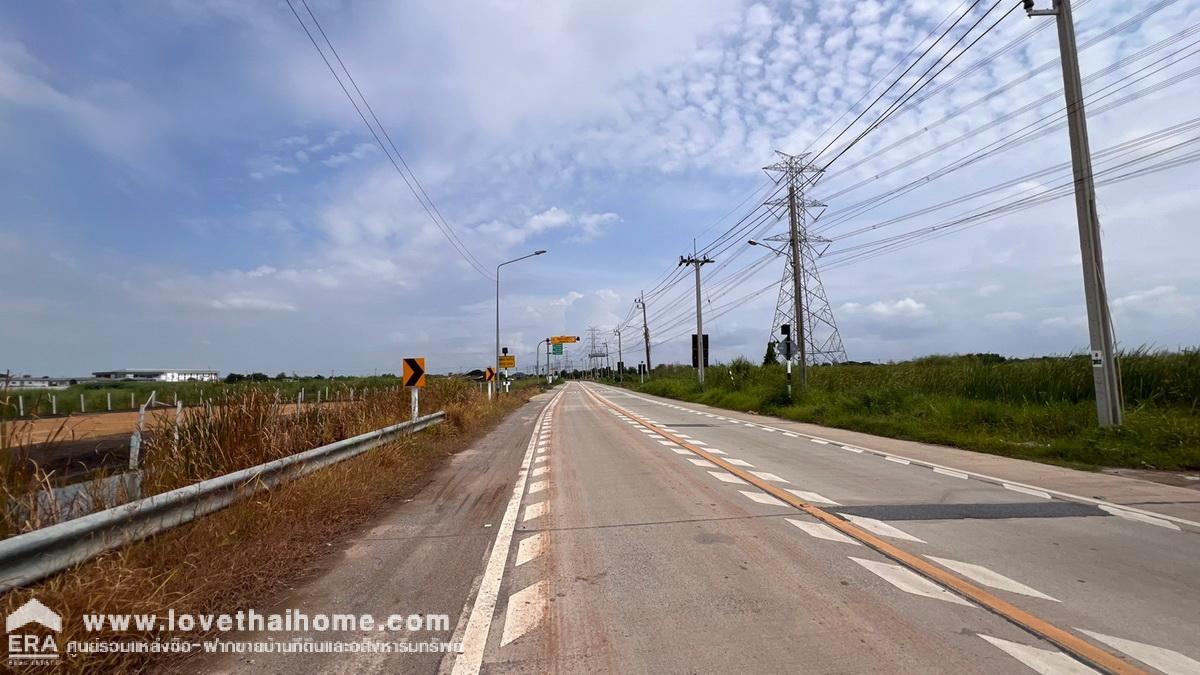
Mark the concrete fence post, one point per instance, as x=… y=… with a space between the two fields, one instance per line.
x=132 y=402
x=109 y=395
x=53 y=404
x=21 y=405
x=82 y=407
x=318 y=397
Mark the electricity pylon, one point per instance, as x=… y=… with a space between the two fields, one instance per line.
x=802 y=294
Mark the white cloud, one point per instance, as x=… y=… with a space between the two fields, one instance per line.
x=904 y=308
x=246 y=301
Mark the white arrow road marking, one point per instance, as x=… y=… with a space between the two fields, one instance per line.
x=880 y=528
x=822 y=531
x=983 y=575
x=537 y=486
x=909 y=581
x=1142 y=518
x=950 y=472
x=726 y=478
x=1171 y=663
x=1024 y=490
x=526 y=609
x=762 y=498
x=814 y=498
x=769 y=476
x=702 y=462
x=1044 y=661
x=739 y=462
x=536 y=511
x=530 y=548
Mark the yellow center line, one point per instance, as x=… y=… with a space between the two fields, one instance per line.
x=1065 y=640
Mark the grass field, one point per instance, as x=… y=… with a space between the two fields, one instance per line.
x=1040 y=409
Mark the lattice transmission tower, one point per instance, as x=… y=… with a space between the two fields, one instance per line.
x=816 y=338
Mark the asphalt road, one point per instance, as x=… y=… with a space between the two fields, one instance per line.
x=602 y=531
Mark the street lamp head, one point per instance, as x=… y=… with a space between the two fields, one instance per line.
x=752 y=242
x=539 y=252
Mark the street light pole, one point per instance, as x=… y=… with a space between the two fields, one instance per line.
x=497 y=361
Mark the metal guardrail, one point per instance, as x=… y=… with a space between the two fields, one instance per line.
x=35 y=555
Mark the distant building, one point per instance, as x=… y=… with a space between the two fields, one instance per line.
x=158 y=375
x=39 y=381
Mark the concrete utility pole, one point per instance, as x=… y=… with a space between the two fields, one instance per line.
x=641 y=301
x=798 y=286
x=697 y=262
x=620 y=357
x=1105 y=373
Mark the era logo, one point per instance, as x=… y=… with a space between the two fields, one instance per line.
x=27 y=647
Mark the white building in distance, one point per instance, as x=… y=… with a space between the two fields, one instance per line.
x=158 y=375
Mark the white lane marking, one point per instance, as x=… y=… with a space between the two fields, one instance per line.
x=1140 y=517
x=669 y=444
x=909 y=581
x=851 y=448
x=681 y=451
x=541 y=470
x=726 y=478
x=739 y=462
x=1170 y=662
x=526 y=610
x=530 y=548
x=898 y=460
x=683 y=436
x=671 y=431
x=762 y=498
x=950 y=472
x=714 y=451
x=790 y=434
x=768 y=429
x=880 y=528
x=647 y=431
x=540 y=459
x=814 y=498
x=536 y=511
x=702 y=462
x=749 y=425
x=998 y=481
x=823 y=531
x=818 y=441
x=537 y=486
x=480 y=622
x=695 y=442
x=987 y=577
x=770 y=476
x=1044 y=661
x=1026 y=491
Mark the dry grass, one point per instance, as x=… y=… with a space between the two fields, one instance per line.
x=241 y=556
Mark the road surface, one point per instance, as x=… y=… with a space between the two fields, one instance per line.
x=602 y=531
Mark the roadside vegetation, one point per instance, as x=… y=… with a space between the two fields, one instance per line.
x=242 y=556
x=1040 y=409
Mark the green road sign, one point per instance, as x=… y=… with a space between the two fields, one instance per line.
x=557 y=350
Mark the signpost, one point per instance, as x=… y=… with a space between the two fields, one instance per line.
x=414 y=377
x=509 y=361
x=489 y=376
x=564 y=339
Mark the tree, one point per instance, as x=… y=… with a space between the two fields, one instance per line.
x=281 y=376
x=771 y=358
x=234 y=378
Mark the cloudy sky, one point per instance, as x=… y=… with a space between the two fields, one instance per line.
x=186 y=185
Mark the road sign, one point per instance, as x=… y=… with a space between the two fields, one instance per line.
x=508 y=361
x=695 y=355
x=489 y=374
x=414 y=372
x=564 y=339
x=557 y=349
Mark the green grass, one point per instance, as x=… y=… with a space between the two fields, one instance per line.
x=1039 y=409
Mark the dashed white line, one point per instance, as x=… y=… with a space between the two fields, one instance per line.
x=909 y=581
x=669 y=444
x=814 y=498
x=530 y=548
x=950 y=472
x=526 y=610
x=880 y=528
x=822 y=531
x=1027 y=491
x=726 y=477
x=702 y=462
x=1141 y=518
x=739 y=462
x=770 y=476
x=1170 y=662
x=714 y=451
x=819 y=441
x=898 y=460
x=681 y=451
x=534 y=511
x=987 y=577
x=537 y=486
x=790 y=434
x=541 y=470
x=762 y=498
x=1044 y=661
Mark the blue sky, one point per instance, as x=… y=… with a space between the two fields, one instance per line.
x=185 y=185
